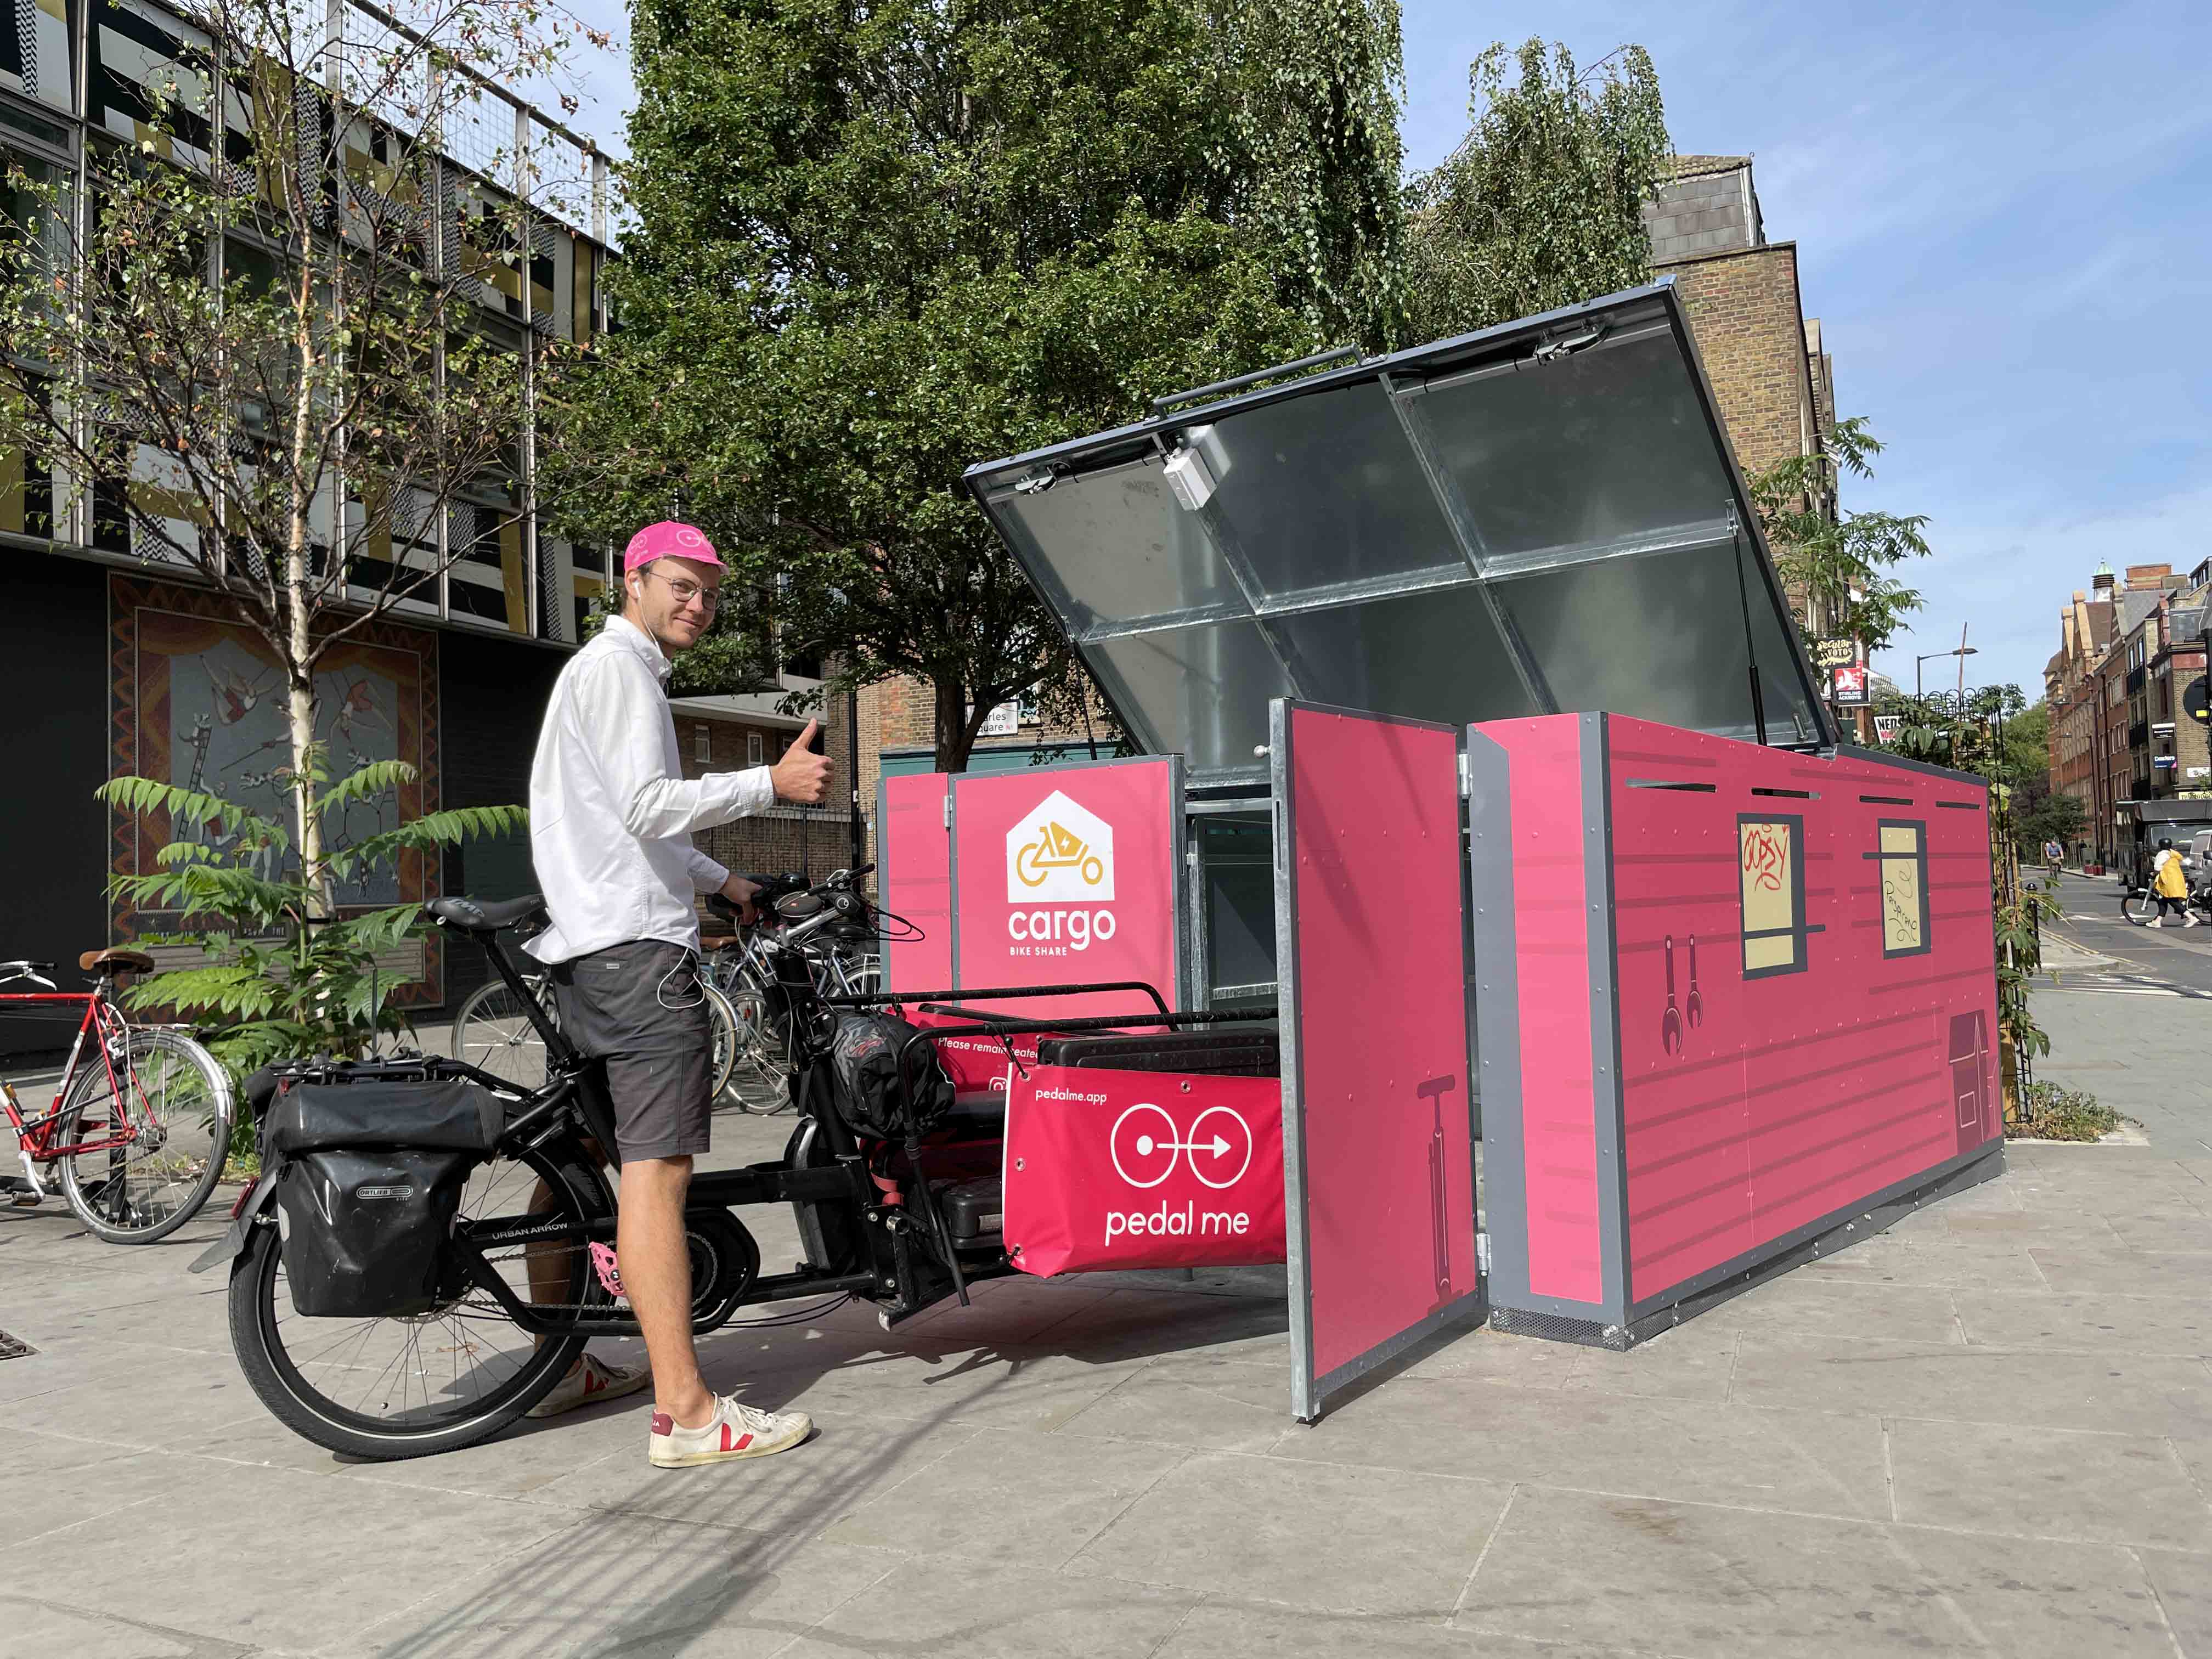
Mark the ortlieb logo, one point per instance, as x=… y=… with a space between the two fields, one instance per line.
x=1061 y=855
x=383 y=1192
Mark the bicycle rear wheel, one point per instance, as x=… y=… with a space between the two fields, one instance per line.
x=152 y=1158
x=493 y=1033
x=394 y=1388
x=2139 y=908
x=759 y=1082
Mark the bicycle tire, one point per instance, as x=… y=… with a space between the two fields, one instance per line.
x=722 y=1053
x=277 y=1378
x=759 y=1084
x=100 y=1206
x=503 y=1042
x=2138 y=908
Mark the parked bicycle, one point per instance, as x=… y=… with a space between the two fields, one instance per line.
x=139 y=1127
x=494 y=1031
x=2140 y=905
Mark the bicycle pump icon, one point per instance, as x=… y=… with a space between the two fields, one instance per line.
x=1057 y=848
x=1145 y=1145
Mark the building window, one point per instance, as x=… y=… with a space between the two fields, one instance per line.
x=1902 y=858
x=756 y=750
x=702 y=743
x=1772 y=857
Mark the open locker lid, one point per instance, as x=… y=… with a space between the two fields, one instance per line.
x=1541 y=518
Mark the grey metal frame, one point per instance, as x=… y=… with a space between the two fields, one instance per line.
x=1308 y=1389
x=1406 y=377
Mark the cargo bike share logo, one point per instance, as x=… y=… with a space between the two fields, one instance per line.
x=1059 y=880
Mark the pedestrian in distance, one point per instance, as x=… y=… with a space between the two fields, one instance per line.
x=610 y=820
x=2169 y=885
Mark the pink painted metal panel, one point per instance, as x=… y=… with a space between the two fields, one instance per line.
x=1382 y=1028
x=1551 y=921
x=1067 y=874
x=917 y=880
x=1798 y=1090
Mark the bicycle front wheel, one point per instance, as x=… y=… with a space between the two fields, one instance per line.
x=393 y=1388
x=2139 y=908
x=150 y=1129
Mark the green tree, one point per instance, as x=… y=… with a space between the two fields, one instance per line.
x=255 y=356
x=873 y=245
x=1838 y=560
x=1542 y=203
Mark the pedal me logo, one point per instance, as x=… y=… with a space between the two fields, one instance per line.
x=1061 y=855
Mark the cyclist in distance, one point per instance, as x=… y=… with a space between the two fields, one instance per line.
x=610 y=820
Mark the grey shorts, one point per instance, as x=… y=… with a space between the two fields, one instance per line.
x=639 y=1006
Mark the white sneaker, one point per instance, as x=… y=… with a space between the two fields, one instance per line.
x=2158 y=921
x=590 y=1381
x=734 y=1431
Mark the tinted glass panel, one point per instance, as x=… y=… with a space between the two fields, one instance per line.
x=1434 y=656
x=1321 y=490
x=1201 y=690
x=1660 y=637
x=1608 y=443
x=1117 y=547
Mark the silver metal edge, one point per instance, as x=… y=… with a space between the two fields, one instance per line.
x=883 y=873
x=1305 y=1398
x=952 y=867
x=1609 y=1099
x=1179 y=875
x=1497 y=1013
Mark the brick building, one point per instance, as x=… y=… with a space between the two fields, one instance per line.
x=2128 y=654
x=732 y=733
x=1771 y=373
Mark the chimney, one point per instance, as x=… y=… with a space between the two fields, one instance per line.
x=2149 y=575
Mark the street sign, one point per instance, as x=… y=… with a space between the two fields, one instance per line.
x=2194 y=704
x=2163 y=762
x=1848 y=683
x=1836 y=653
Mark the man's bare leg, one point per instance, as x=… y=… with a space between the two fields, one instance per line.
x=656 y=1271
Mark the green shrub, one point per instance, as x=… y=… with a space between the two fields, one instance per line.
x=2051 y=1111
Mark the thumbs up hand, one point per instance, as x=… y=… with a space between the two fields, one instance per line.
x=802 y=776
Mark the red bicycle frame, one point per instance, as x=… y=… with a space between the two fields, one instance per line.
x=104 y=1022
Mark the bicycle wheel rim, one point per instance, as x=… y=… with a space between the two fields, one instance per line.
x=722 y=1057
x=492 y=1033
x=382 y=1362
x=153 y=1164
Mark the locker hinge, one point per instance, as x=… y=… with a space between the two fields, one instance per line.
x=948 y=809
x=1466 y=778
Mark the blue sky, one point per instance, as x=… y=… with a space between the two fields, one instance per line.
x=2003 y=215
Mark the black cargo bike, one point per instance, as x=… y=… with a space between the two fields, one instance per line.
x=429 y=1247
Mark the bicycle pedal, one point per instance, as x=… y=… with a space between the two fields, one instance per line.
x=25 y=1200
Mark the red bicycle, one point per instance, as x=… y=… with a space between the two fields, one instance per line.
x=140 y=1119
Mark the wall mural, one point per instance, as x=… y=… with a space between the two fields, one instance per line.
x=198 y=699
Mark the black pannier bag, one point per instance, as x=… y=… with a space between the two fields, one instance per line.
x=369 y=1183
x=864 y=1059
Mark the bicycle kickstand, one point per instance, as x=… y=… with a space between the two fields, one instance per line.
x=30 y=1194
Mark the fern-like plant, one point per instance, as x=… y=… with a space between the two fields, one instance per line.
x=285 y=977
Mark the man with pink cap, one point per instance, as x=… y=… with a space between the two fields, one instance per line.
x=610 y=820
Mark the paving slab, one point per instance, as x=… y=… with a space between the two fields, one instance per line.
x=604 y=1585
x=1201 y=1402
x=2132 y=1394
x=37 y=1630
x=1400 y=1544
x=1832 y=1304
x=2094 y=1324
x=1720 y=1582
x=295 y=1560
x=997 y=1610
x=2182 y=1584
x=1819 y=1462
x=2122 y=1272
x=1054 y=1493
x=1226 y=1627
x=1998 y=1478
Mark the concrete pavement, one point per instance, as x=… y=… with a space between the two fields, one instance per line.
x=1989 y=1431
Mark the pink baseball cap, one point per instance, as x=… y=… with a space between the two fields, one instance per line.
x=668 y=540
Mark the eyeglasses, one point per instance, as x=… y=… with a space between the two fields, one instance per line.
x=684 y=592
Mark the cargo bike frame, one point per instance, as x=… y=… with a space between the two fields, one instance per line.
x=540 y=1276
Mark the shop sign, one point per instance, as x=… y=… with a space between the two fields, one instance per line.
x=1887 y=726
x=1848 y=683
x=2163 y=762
x=2195 y=703
x=1836 y=653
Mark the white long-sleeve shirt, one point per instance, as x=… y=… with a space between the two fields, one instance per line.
x=611 y=811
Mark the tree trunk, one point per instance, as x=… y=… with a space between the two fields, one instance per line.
x=956 y=735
